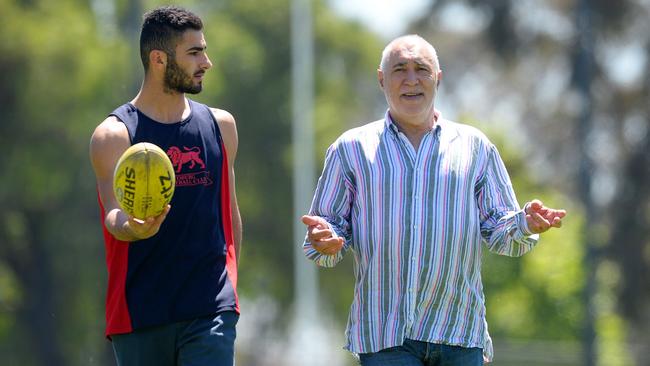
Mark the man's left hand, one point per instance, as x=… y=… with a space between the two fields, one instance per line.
x=541 y=218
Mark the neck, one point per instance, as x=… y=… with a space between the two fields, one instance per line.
x=415 y=129
x=161 y=105
x=415 y=125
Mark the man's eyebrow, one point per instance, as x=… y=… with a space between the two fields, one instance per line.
x=197 y=48
x=417 y=62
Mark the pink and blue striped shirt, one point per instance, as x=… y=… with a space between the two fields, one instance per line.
x=415 y=222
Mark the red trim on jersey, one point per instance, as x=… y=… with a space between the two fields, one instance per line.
x=226 y=218
x=118 y=319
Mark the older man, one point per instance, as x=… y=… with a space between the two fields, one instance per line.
x=413 y=196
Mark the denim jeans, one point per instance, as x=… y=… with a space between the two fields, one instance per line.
x=202 y=341
x=416 y=353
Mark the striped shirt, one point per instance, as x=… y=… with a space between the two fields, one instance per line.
x=415 y=221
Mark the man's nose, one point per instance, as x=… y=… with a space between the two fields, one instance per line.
x=206 y=64
x=411 y=77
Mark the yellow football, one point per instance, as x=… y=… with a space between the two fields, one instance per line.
x=144 y=180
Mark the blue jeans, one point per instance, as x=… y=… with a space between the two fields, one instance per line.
x=202 y=341
x=416 y=353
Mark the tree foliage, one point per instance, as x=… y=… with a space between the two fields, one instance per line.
x=67 y=64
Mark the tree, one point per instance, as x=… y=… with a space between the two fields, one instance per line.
x=53 y=91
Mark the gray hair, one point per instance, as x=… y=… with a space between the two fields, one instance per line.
x=410 y=38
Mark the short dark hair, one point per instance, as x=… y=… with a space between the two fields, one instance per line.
x=162 y=27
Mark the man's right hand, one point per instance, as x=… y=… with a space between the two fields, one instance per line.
x=321 y=237
x=144 y=229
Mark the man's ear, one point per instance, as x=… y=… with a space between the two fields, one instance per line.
x=157 y=58
x=380 y=78
x=439 y=78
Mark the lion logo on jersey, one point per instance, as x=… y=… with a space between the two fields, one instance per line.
x=189 y=155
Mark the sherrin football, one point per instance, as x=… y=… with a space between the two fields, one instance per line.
x=144 y=180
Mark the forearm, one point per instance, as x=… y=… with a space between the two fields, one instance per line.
x=332 y=203
x=510 y=235
x=321 y=259
x=503 y=223
x=237 y=231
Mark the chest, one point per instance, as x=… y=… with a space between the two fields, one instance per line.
x=193 y=147
x=391 y=163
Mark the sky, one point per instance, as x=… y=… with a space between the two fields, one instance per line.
x=388 y=18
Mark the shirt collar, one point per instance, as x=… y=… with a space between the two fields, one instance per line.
x=392 y=126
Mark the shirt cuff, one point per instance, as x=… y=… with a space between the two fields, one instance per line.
x=335 y=234
x=523 y=223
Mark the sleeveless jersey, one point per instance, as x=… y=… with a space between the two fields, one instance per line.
x=188 y=269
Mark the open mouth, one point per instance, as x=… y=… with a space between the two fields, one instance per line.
x=412 y=95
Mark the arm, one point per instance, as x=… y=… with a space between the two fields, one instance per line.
x=228 y=129
x=107 y=144
x=503 y=224
x=328 y=224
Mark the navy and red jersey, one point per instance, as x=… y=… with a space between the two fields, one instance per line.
x=188 y=269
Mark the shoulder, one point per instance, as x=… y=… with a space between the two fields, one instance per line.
x=228 y=129
x=222 y=116
x=226 y=122
x=109 y=140
x=110 y=130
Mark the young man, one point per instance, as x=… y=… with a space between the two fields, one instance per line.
x=413 y=196
x=172 y=278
